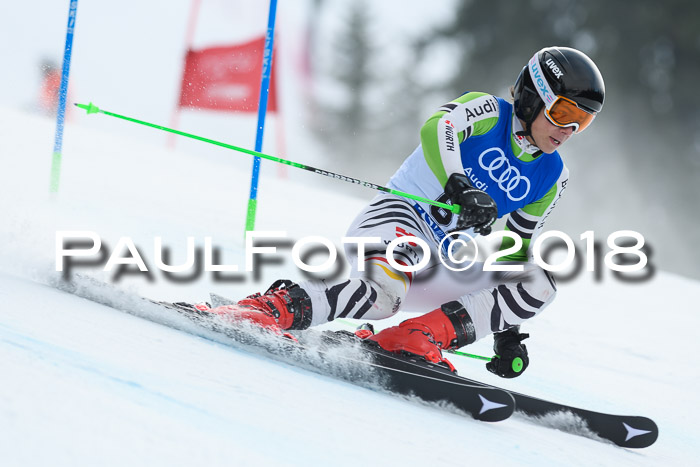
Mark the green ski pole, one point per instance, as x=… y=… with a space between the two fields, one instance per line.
x=517 y=364
x=470 y=355
x=455 y=208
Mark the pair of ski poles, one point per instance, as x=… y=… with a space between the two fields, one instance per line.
x=455 y=208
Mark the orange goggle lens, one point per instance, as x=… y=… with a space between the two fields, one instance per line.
x=565 y=112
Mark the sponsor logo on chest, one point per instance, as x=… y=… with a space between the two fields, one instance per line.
x=499 y=169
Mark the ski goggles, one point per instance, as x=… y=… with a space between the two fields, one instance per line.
x=559 y=110
x=565 y=112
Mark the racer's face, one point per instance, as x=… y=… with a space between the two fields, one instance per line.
x=546 y=136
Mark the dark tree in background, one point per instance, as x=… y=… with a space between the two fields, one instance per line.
x=344 y=122
x=370 y=112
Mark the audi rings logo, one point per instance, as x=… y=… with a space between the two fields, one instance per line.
x=501 y=172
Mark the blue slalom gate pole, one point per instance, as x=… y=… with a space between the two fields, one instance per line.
x=262 y=111
x=62 y=94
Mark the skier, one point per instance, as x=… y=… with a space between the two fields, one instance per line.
x=492 y=158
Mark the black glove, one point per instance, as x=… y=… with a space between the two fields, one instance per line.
x=478 y=208
x=511 y=356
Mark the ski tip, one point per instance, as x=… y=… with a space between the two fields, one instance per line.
x=90 y=108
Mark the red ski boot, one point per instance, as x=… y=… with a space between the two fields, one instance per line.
x=283 y=306
x=447 y=327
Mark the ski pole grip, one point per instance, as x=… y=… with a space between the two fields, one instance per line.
x=517 y=364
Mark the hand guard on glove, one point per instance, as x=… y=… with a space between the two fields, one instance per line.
x=511 y=356
x=478 y=208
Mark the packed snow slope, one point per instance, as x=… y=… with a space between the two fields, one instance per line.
x=84 y=384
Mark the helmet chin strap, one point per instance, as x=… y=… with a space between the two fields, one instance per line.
x=528 y=125
x=528 y=132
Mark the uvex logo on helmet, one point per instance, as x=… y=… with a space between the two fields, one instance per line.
x=554 y=68
x=540 y=81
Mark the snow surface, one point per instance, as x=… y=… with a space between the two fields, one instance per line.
x=84 y=384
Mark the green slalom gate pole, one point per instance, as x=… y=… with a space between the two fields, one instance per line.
x=455 y=208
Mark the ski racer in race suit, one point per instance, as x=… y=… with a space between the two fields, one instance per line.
x=494 y=159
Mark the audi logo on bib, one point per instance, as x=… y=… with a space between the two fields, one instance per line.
x=495 y=162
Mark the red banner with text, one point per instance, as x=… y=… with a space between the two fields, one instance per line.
x=226 y=78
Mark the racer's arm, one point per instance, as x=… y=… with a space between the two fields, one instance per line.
x=473 y=113
x=528 y=221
